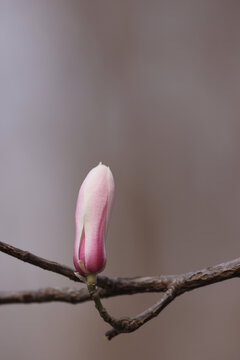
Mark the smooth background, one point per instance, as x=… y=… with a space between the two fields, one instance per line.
x=150 y=88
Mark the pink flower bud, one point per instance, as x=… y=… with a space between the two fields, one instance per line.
x=94 y=205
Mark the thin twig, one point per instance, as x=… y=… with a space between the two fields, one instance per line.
x=72 y=296
x=127 y=325
x=180 y=285
x=171 y=285
x=68 y=295
x=176 y=287
x=118 y=286
x=134 y=285
x=30 y=258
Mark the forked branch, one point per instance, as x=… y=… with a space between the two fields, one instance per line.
x=171 y=286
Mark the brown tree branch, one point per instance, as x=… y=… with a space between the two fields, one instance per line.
x=171 y=285
x=179 y=285
x=127 y=325
x=118 y=286
x=30 y=258
x=72 y=296
x=176 y=287
x=69 y=295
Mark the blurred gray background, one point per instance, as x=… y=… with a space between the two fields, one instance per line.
x=150 y=88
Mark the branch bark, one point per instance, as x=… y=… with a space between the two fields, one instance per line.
x=68 y=295
x=119 y=286
x=171 y=286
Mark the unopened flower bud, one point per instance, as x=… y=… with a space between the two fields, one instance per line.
x=94 y=205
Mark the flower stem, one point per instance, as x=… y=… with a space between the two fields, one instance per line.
x=91 y=284
x=91 y=279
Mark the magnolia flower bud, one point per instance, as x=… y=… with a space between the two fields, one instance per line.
x=94 y=205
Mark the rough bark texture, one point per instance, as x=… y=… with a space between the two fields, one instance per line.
x=170 y=285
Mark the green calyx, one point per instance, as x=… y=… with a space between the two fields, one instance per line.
x=91 y=279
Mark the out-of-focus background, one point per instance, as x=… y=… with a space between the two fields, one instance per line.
x=150 y=88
